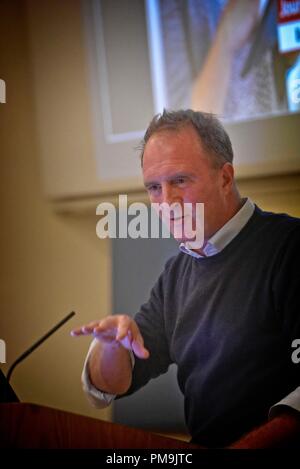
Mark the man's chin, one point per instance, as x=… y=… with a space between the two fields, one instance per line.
x=190 y=243
x=183 y=239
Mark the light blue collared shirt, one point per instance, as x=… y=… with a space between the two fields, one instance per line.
x=225 y=234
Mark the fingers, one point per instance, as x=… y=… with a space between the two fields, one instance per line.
x=95 y=327
x=139 y=350
x=128 y=331
x=136 y=341
x=116 y=328
x=86 y=329
x=124 y=328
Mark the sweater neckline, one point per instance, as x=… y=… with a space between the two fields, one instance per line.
x=234 y=242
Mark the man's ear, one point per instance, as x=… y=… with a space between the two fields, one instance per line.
x=227 y=177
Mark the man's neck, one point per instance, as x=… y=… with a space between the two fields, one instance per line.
x=234 y=209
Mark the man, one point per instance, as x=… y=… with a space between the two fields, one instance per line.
x=226 y=313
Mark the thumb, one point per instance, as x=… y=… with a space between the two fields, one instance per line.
x=139 y=350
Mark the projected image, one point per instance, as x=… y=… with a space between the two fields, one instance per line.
x=223 y=56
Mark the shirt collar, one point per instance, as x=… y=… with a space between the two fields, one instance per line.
x=225 y=234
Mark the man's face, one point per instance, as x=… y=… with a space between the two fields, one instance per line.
x=176 y=169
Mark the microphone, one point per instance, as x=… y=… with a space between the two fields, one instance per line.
x=37 y=344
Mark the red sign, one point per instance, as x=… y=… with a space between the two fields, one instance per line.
x=288 y=11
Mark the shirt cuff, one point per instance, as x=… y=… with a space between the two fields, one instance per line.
x=96 y=397
x=292 y=400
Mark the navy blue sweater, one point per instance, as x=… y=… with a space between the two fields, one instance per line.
x=228 y=322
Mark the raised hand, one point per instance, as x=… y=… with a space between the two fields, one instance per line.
x=116 y=330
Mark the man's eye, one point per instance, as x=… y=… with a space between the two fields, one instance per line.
x=153 y=188
x=180 y=180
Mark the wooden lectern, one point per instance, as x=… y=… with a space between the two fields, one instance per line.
x=34 y=426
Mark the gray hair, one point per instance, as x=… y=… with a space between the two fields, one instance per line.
x=213 y=136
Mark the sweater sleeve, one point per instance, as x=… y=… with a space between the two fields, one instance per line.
x=287 y=303
x=286 y=287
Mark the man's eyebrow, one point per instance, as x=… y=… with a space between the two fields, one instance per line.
x=170 y=178
x=181 y=174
